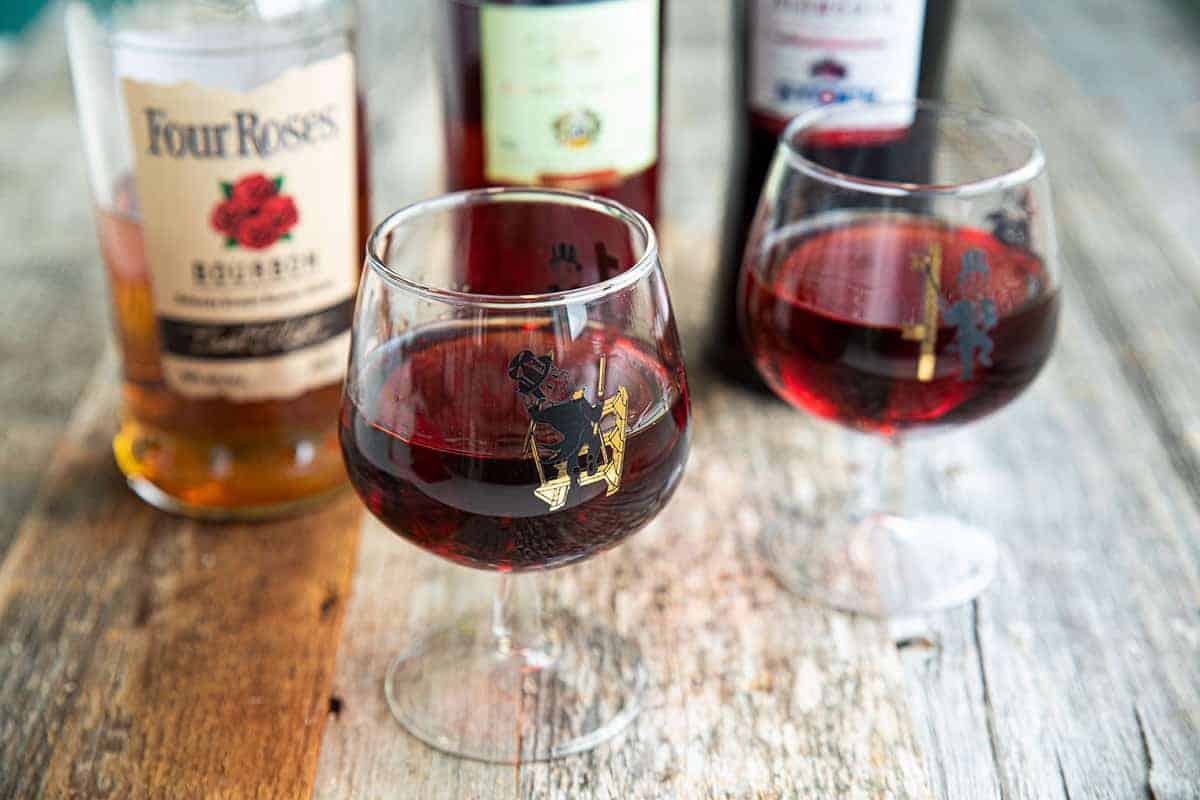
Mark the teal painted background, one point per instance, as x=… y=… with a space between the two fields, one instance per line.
x=15 y=15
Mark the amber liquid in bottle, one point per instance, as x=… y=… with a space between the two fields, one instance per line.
x=212 y=457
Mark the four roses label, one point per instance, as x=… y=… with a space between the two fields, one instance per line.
x=254 y=214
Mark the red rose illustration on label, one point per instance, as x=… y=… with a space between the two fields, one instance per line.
x=254 y=214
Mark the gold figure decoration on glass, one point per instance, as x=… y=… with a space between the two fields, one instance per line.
x=576 y=427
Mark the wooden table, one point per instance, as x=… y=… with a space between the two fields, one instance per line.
x=144 y=656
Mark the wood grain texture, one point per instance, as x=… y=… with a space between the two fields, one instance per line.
x=144 y=656
x=754 y=694
x=1149 y=94
x=1072 y=678
x=1038 y=690
x=52 y=295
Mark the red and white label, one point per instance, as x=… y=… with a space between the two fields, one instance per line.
x=807 y=53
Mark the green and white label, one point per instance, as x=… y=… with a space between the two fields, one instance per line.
x=570 y=93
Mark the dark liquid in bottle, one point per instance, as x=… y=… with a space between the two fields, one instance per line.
x=461 y=67
x=756 y=138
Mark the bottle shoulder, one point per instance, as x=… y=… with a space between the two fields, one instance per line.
x=227 y=25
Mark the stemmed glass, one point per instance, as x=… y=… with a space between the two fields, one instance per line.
x=516 y=402
x=901 y=276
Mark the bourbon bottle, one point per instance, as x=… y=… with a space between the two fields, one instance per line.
x=224 y=142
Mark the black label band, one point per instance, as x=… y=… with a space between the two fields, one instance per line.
x=224 y=342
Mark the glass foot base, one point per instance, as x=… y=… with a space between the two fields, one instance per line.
x=886 y=566
x=456 y=691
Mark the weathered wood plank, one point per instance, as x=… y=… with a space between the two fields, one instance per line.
x=1094 y=607
x=1089 y=483
x=754 y=694
x=1073 y=678
x=52 y=295
x=991 y=693
x=142 y=655
x=1143 y=279
x=1147 y=87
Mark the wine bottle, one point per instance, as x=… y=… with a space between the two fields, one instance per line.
x=557 y=93
x=793 y=55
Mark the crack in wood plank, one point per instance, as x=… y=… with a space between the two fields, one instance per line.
x=1141 y=727
x=989 y=708
x=1062 y=773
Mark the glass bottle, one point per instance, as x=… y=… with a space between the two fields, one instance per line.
x=556 y=93
x=227 y=170
x=793 y=55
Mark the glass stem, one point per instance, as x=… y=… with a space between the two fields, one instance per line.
x=882 y=483
x=517 y=623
